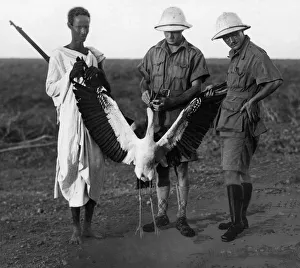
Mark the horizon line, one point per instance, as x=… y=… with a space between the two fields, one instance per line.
x=137 y=58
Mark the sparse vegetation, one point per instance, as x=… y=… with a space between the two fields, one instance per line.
x=34 y=228
x=26 y=112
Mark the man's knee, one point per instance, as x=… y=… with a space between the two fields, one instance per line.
x=91 y=202
x=231 y=177
x=182 y=174
x=245 y=178
x=162 y=182
x=163 y=176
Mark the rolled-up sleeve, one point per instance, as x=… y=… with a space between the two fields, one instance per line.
x=143 y=68
x=199 y=68
x=265 y=71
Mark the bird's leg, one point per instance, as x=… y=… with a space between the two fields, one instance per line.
x=177 y=195
x=156 y=230
x=177 y=189
x=139 y=228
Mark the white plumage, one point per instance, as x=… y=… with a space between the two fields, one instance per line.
x=144 y=153
x=117 y=140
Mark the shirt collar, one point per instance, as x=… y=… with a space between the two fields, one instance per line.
x=163 y=44
x=242 y=50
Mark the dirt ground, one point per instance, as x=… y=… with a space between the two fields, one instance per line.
x=35 y=228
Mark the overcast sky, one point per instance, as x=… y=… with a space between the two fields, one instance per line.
x=124 y=28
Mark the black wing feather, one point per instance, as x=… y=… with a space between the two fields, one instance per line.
x=188 y=130
x=95 y=120
x=199 y=123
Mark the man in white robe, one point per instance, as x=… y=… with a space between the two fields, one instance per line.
x=80 y=162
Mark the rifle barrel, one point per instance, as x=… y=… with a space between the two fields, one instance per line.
x=19 y=29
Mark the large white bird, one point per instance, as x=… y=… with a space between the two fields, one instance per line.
x=117 y=140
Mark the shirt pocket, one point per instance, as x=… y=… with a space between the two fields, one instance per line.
x=241 y=72
x=157 y=75
x=158 y=68
x=179 y=70
x=236 y=77
x=230 y=117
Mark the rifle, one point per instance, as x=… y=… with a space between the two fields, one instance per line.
x=19 y=29
x=45 y=56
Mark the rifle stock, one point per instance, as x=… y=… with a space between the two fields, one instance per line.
x=30 y=41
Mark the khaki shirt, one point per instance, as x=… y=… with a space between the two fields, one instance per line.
x=249 y=67
x=170 y=74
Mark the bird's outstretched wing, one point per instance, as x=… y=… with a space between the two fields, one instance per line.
x=106 y=123
x=187 y=132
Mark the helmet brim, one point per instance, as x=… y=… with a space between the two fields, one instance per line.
x=172 y=27
x=230 y=30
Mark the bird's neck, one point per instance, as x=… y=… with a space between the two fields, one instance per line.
x=150 y=127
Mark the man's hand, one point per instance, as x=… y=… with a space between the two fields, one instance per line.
x=208 y=91
x=146 y=97
x=252 y=111
x=163 y=104
x=91 y=72
x=77 y=70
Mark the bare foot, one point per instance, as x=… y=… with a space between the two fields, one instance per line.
x=76 y=237
x=88 y=232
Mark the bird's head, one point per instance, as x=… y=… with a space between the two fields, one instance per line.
x=146 y=173
x=146 y=163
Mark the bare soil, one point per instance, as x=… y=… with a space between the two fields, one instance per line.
x=35 y=228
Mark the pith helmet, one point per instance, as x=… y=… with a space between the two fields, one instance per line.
x=172 y=20
x=228 y=22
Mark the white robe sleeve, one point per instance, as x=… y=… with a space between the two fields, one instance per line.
x=98 y=55
x=56 y=80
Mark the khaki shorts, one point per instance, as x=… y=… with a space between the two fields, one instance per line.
x=237 y=152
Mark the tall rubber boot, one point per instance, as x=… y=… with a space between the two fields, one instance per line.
x=247 y=189
x=235 y=198
x=226 y=225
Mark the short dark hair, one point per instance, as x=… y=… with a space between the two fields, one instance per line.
x=77 y=11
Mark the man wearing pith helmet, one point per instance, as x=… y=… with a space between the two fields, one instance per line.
x=173 y=71
x=251 y=77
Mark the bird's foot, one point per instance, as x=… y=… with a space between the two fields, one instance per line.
x=140 y=230
x=156 y=230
